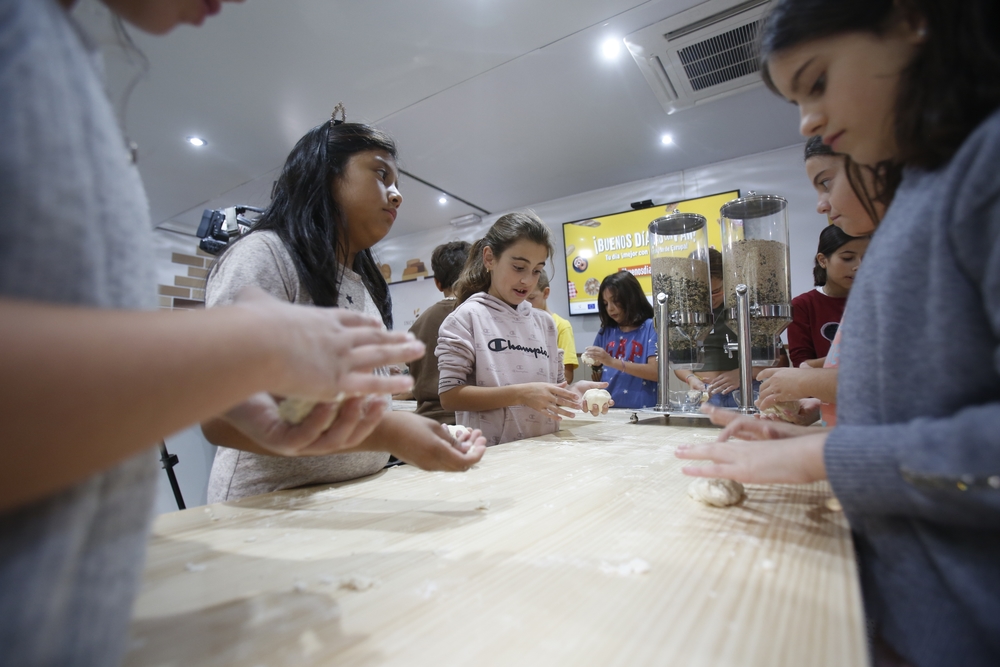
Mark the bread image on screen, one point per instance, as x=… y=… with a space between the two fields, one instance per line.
x=386 y=272
x=415 y=268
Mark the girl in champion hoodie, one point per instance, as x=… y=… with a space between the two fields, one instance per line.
x=501 y=367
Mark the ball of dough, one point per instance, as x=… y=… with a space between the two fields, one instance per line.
x=294 y=410
x=587 y=359
x=784 y=410
x=716 y=492
x=456 y=430
x=598 y=397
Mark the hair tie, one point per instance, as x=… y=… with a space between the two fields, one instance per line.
x=343 y=114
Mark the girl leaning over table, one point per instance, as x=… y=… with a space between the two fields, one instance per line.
x=912 y=89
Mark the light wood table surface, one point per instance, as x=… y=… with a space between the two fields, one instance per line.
x=579 y=548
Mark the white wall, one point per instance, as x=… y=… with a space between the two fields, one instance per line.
x=779 y=172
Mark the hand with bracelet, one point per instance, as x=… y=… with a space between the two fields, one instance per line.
x=645 y=369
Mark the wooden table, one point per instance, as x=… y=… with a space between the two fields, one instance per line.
x=579 y=548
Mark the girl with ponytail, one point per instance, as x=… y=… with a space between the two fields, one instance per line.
x=499 y=359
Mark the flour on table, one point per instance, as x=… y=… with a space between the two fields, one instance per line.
x=716 y=492
x=634 y=566
x=195 y=567
x=357 y=582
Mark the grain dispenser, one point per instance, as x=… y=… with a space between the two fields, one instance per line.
x=682 y=294
x=756 y=281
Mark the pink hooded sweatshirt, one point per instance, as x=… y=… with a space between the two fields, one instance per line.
x=487 y=343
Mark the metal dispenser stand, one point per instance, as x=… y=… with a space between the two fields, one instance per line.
x=682 y=307
x=757 y=283
x=743 y=343
x=662 y=314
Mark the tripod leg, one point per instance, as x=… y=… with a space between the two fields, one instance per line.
x=169 y=461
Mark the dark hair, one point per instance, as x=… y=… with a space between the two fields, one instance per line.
x=309 y=221
x=715 y=264
x=505 y=232
x=856 y=178
x=627 y=293
x=831 y=239
x=543 y=281
x=951 y=85
x=447 y=261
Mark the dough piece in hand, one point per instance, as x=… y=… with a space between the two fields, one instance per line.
x=598 y=397
x=587 y=359
x=716 y=492
x=294 y=410
x=456 y=430
x=784 y=410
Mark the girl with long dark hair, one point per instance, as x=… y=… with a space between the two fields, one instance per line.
x=336 y=197
x=625 y=347
x=911 y=88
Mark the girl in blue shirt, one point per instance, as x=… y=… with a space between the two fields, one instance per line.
x=624 y=351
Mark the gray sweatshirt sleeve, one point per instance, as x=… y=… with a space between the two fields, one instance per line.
x=254 y=261
x=455 y=351
x=944 y=469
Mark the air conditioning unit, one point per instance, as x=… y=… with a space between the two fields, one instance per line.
x=702 y=54
x=466 y=220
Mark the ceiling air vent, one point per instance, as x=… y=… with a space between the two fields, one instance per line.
x=701 y=54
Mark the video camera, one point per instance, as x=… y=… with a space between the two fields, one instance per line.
x=219 y=227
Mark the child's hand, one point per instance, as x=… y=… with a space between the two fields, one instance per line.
x=320 y=352
x=695 y=382
x=724 y=382
x=781 y=385
x=806 y=412
x=318 y=434
x=599 y=355
x=550 y=399
x=429 y=446
x=745 y=427
x=790 y=461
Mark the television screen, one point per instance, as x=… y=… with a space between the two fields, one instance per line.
x=596 y=247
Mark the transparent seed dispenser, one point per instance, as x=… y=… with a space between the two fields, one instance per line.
x=682 y=294
x=756 y=281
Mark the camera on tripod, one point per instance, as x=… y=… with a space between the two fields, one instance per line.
x=219 y=227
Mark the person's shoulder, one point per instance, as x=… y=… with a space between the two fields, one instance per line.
x=807 y=298
x=264 y=247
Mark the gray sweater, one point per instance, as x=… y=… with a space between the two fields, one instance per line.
x=75 y=230
x=915 y=457
x=261 y=259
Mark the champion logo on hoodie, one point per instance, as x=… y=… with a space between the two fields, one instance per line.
x=503 y=344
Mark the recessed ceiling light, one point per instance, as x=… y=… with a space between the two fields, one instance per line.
x=197 y=141
x=667 y=139
x=611 y=48
x=442 y=200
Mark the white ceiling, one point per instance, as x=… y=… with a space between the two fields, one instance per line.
x=502 y=103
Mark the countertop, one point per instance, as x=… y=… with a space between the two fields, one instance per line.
x=578 y=548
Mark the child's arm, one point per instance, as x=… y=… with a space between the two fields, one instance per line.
x=646 y=371
x=81 y=389
x=791 y=384
x=417 y=440
x=547 y=398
